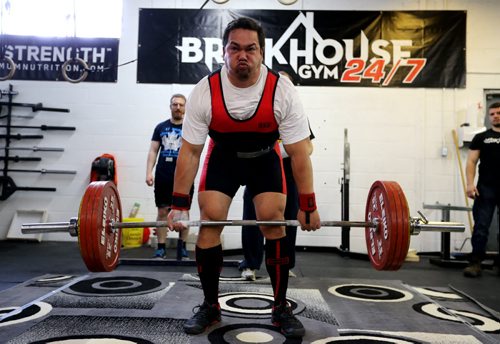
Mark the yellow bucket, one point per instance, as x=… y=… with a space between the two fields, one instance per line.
x=132 y=237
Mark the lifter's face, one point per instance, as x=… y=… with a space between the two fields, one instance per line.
x=495 y=117
x=243 y=57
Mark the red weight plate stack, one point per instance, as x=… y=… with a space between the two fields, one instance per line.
x=99 y=245
x=387 y=244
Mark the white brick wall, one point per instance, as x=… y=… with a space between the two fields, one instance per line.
x=394 y=134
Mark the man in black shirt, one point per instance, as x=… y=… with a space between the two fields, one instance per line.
x=485 y=146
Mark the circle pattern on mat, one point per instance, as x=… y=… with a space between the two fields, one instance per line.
x=440 y=295
x=251 y=305
x=371 y=293
x=36 y=310
x=94 y=339
x=51 y=279
x=365 y=339
x=249 y=333
x=479 y=321
x=115 y=286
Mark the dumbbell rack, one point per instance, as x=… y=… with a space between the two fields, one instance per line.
x=7 y=184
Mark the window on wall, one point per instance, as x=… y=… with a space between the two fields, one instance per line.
x=61 y=18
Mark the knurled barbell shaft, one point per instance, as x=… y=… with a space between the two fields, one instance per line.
x=209 y=223
x=45 y=227
x=48 y=227
x=430 y=226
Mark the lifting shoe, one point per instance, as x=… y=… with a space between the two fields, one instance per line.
x=283 y=318
x=205 y=316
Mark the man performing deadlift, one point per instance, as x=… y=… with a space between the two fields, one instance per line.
x=244 y=107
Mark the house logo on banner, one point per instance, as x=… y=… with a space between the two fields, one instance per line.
x=329 y=48
x=356 y=67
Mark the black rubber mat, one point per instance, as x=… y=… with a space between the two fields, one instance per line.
x=147 y=307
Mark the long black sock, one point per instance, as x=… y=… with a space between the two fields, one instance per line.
x=209 y=262
x=278 y=265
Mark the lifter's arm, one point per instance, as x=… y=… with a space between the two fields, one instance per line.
x=299 y=154
x=188 y=162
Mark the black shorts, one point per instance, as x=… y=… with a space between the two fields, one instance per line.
x=164 y=190
x=224 y=171
x=292 y=199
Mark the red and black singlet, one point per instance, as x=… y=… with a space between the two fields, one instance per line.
x=258 y=132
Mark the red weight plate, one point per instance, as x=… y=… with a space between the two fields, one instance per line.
x=375 y=243
x=394 y=229
x=100 y=244
x=403 y=225
x=84 y=223
x=90 y=231
x=381 y=241
x=106 y=244
x=87 y=228
x=395 y=225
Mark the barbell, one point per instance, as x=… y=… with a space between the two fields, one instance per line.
x=387 y=224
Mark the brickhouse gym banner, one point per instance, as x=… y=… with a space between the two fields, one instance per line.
x=318 y=48
x=41 y=58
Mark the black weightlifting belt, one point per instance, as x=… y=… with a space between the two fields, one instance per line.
x=255 y=154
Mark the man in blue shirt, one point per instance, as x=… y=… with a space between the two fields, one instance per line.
x=164 y=149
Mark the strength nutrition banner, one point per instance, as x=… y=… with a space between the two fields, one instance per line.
x=318 y=48
x=41 y=58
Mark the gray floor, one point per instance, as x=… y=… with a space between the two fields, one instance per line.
x=25 y=260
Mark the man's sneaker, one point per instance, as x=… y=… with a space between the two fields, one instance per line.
x=290 y=326
x=205 y=316
x=160 y=254
x=291 y=274
x=473 y=270
x=182 y=254
x=248 y=274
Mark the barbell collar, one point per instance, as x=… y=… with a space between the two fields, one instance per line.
x=73 y=226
